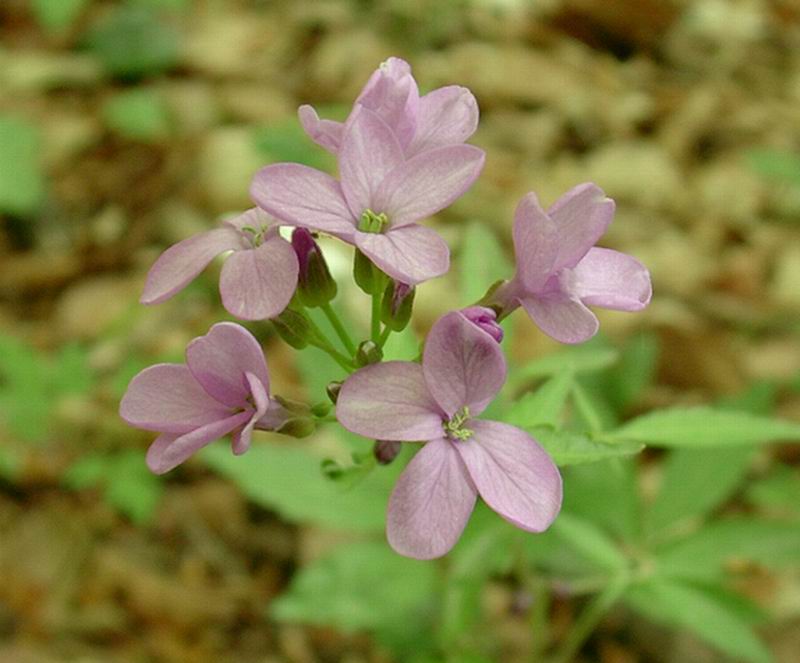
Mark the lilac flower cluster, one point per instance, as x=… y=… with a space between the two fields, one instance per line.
x=401 y=158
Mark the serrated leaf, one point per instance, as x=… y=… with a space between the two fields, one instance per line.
x=483 y=262
x=22 y=185
x=570 y=448
x=688 y=607
x=704 y=427
x=586 y=358
x=543 y=406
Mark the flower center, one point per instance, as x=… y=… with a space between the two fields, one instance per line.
x=371 y=222
x=255 y=235
x=454 y=427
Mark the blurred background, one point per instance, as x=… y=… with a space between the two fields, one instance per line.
x=127 y=126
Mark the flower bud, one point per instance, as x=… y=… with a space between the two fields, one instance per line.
x=367 y=276
x=321 y=409
x=485 y=319
x=368 y=353
x=293 y=327
x=297 y=427
x=333 y=390
x=397 y=304
x=386 y=451
x=315 y=285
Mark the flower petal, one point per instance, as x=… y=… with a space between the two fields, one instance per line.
x=241 y=439
x=389 y=401
x=168 y=451
x=612 y=280
x=221 y=360
x=447 y=116
x=167 y=398
x=536 y=243
x=302 y=196
x=581 y=216
x=427 y=183
x=463 y=365
x=513 y=474
x=181 y=263
x=254 y=218
x=565 y=319
x=411 y=254
x=431 y=502
x=325 y=133
x=369 y=152
x=257 y=284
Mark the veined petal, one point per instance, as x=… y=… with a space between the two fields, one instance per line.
x=181 y=263
x=513 y=474
x=431 y=502
x=611 y=279
x=369 y=151
x=392 y=93
x=389 y=401
x=462 y=364
x=168 y=451
x=167 y=398
x=259 y=391
x=221 y=360
x=565 y=319
x=257 y=284
x=427 y=183
x=536 y=243
x=581 y=216
x=447 y=116
x=325 y=133
x=411 y=254
x=302 y=196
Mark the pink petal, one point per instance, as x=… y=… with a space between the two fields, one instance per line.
x=463 y=365
x=563 y=318
x=612 y=280
x=325 y=133
x=411 y=254
x=369 y=152
x=181 y=263
x=221 y=360
x=260 y=392
x=167 y=398
x=389 y=401
x=536 y=243
x=302 y=196
x=581 y=216
x=168 y=451
x=258 y=284
x=431 y=502
x=427 y=183
x=447 y=116
x=513 y=474
x=253 y=218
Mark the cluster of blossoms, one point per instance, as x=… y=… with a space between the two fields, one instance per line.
x=401 y=158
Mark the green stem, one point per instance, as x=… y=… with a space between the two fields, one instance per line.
x=387 y=331
x=321 y=341
x=376 y=317
x=339 y=328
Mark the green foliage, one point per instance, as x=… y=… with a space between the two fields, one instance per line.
x=133 y=42
x=57 y=15
x=138 y=114
x=775 y=165
x=778 y=492
x=543 y=406
x=22 y=186
x=586 y=358
x=483 y=262
x=570 y=447
x=286 y=141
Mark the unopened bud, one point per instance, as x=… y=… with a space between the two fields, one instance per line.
x=367 y=276
x=485 y=319
x=396 y=305
x=293 y=327
x=315 y=285
x=386 y=451
x=333 y=390
x=297 y=427
x=321 y=409
x=368 y=353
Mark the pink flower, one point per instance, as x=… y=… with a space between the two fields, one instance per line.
x=223 y=388
x=560 y=271
x=257 y=280
x=462 y=370
x=379 y=199
x=445 y=116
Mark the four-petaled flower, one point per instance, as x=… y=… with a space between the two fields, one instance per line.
x=223 y=388
x=462 y=370
x=560 y=271
x=257 y=280
x=380 y=198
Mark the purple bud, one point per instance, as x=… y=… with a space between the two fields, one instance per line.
x=397 y=305
x=315 y=286
x=386 y=451
x=486 y=319
x=303 y=243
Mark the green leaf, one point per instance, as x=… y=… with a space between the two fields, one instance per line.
x=544 y=406
x=586 y=358
x=634 y=372
x=704 y=554
x=25 y=400
x=287 y=479
x=695 y=482
x=483 y=262
x=703 y=613
x=138 y=114
x=71 y=373
x=570 y=448
x=363 y=587
x=287 y=141
x=775 y=165
x=22 y=187
x=779 y=492
x=590 y=541
x=57 y=15
x=704 y=427
x=592 y=409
